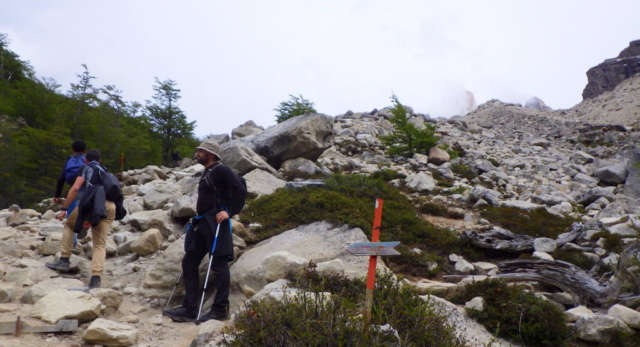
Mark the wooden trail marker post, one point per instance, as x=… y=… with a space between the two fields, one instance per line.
x=373 y=249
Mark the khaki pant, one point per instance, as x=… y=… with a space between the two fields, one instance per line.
x=99 y=235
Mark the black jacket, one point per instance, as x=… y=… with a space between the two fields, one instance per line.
x=91 y=207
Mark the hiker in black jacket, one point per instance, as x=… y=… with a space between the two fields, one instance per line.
x=221 y=195
x=101 y=216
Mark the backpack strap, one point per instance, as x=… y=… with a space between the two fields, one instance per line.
x=93 y=165
x=209 y=180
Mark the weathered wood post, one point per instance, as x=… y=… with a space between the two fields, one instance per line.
x=373 y=249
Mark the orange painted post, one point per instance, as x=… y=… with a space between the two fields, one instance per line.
x=373 y=261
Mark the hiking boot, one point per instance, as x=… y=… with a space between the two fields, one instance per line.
x=62 y=265
x=180 y=314
x=217 y=315
x=94 y=282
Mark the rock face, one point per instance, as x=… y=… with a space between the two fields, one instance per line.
x=607 y=75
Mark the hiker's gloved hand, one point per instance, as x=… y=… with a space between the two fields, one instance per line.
x=221 y=216
x=61 y=215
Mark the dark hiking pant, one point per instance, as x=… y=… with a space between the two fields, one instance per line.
x=196 y=248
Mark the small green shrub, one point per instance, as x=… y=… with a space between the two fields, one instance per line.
x=312 y=320
x=463 y=171
x=435 y=209
x=456 y=190
x=441 y=181
x=612 y=242
x=388 y=175
x=536 y=223
x=407 y=140
x=574 y=257
x=296 y=106
x=453 y=154
x=516 y=314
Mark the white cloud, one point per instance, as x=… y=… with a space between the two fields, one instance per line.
x=235 y=61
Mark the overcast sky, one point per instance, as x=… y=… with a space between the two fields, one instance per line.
x=235 y=61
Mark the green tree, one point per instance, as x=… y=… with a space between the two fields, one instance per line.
x=296 y=106
x=168 y=121
x=407 y=140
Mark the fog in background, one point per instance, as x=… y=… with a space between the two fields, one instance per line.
x=235 y=61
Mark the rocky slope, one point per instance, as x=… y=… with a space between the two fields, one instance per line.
x=582 y=162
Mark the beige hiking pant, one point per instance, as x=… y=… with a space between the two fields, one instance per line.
x=99 y=235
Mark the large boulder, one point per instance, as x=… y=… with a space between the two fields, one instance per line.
x=421 y=182
x=438 y=156
x=246 y=129
x=628 y=316
x=184 y=206
x=468 y=329
x=260 y=182
x=318 y=242
x=148 y=243
x=161 y=194
x=300 y=167
x=242 y=159
x=43 y=288
x=305 y=136
x=161 y=277
x=64 y=304
x=599 y=328
x=614 y=174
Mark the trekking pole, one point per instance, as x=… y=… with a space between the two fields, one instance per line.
x=174 y=289
x=186 y=228
x=213 y=248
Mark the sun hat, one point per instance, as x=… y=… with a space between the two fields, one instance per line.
x=210 y=146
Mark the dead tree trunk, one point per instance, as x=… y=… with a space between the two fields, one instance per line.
x=575 y=281
x=501 y=240
x=568 y=277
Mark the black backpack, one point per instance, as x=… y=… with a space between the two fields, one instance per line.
x=210 y=183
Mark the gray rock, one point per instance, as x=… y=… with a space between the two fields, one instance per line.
x=149 y=242
x=109 y=333
x=628 y=316
x=600 y=329
x=614 y=174
x=260 y=182
x=40 y=290
x=64 y=304
x=305 y=136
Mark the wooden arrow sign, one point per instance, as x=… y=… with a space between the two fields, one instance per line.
x=373 y=248
x=17 y=327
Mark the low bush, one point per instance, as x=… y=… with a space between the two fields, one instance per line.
x=388 y=175
x=350 y=199
x=575 y=257
x=612 y=242
x=463 y=171
x=436 y=209
x=314 y=320
x=536 y=223
x=516 y=314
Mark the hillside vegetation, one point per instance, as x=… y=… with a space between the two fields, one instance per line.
x=39 y=121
